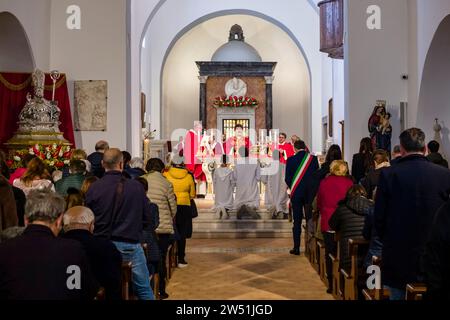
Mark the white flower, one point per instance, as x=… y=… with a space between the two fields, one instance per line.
x=52 y=163
x=31 y=151
x=37 y=147
x=16 y=158
x=54 y=146
x=47 y=149
x=49 y=156
x=67 y=162
x=61 y=153
x=67 y=148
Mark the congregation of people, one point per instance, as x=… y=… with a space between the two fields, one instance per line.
x=101 y=211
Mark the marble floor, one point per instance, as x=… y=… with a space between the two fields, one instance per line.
x=245 y=269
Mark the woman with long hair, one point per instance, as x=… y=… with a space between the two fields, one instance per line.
x=362 y=161
x=35 y=177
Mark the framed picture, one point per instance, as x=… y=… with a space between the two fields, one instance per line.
x=330 y=118
x=90 y=105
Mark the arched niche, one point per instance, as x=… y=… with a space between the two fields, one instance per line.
x=434 y=98
x=16 y=52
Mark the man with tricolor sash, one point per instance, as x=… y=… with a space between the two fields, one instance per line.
x=299 y=170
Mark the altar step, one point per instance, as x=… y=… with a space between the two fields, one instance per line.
x=208 y=226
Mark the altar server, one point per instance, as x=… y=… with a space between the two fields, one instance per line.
x=223 y=188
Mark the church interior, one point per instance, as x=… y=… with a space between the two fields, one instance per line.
x=288 y=150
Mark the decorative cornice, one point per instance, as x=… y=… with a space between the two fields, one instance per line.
x=236 y=69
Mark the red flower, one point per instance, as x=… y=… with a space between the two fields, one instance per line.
x=59 y=164
x=9 y=163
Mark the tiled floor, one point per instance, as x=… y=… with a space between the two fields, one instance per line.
x=245 y=269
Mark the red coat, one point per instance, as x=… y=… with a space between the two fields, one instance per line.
x=286 y=151
x=332 y=190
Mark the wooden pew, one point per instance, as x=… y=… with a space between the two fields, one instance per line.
x=415 y=291
x=376 y=294
x=337 y=292
x=351 y=279
x=101 y=296
x=126 y=280
x=322 y=262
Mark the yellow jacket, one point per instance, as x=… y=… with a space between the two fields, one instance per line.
x=183 y=185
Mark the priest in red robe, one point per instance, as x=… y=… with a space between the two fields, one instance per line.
x=233 y=144
x=192 y=153
x=285 y=148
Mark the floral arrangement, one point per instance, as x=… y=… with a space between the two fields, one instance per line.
x=56 y=156
x=235 y=102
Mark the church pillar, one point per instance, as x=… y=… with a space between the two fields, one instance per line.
x=269 y=103
x=202 y=111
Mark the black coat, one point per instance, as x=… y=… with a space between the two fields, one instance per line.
x=35 y=266
x=437 y=158
x=437 y=257
x=370 y=181
x=20 y=198
x=360 y=167
x=408 y=196
x=348 y=221
x=105 y=261
x=96 y=164
x=370 y=234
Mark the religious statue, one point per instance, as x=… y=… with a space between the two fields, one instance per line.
x=236 y=88
x=39 y=114
x=380 y=128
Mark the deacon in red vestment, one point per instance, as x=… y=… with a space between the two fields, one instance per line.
x=285 y=148
x=192 y=152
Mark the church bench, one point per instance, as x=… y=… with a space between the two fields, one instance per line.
x=126 y=280
x=356 y=247
x=100 y=294
x=322 y=262
x=376 y=294
x=415 y=291
x=335 y=262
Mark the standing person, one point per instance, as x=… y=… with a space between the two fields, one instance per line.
x=408 y=196
x=299 y=170
x=121 y=208
x=370 y=181
x=8 y=213
x=104 y=258
x=19 y=196
x=96 y=158
x=161 y=193
x=396 y=155
x=20 y=171
x=184 y=188
x=75 y=179
x=234 y=143
x=36 y=177
x=285 y=148
x=362 y=161
x=38 y=265
x=192 y=153
x=136 y=168
x=332 y=190
x=434 y=155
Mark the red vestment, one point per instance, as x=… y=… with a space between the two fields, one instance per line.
x=192 y=155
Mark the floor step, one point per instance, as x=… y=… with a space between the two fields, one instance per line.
x=241 y=234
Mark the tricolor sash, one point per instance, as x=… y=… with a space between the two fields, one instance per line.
x=300 y=173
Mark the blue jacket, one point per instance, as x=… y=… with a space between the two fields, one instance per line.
x=408 y=197
x=301 y=193
x=133 y=208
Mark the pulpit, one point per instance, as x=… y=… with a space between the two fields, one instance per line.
x=332 y=28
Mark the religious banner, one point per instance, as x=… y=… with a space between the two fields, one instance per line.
x=91 y=101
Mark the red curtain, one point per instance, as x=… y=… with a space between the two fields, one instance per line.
x=13 y=92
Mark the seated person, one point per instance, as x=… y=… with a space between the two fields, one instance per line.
x=246 y=176
x=223 y=188
x=348 y=221
x=39 y=266
x=105 y=260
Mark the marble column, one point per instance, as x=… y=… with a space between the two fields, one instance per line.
x=202 y=110
x=269 y=103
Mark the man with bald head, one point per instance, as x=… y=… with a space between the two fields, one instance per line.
x=96 y=158
x=121 y=207
x=104 y=258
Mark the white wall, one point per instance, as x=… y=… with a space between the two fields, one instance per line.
x=291 y=88
x=35 y=19
x=96 y=52
x=425 y=18
x=172 y=17
x=375 y=61
x=16 y=55
x=434 y=99
x=338 y=100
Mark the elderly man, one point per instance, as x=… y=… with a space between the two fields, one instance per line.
x=96 y=159
x=39 y=266
x=104 y=259
x=136 y=168
x=121 y=207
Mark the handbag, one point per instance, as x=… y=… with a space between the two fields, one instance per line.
x=194 y=209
